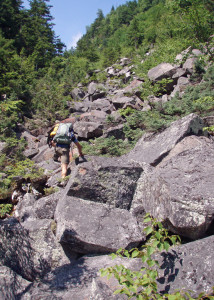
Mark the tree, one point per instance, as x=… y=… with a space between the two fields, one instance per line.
x=7 y=72
x=10 y=17
x=196 y=17
x=38 y=37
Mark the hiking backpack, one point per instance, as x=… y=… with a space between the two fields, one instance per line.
x=63 y=134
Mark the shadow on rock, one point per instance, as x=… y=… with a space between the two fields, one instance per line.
x=71 y=276
x=168 y=270
x=17 y=253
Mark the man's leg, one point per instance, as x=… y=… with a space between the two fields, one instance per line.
x=64 y=169
x=64 y=162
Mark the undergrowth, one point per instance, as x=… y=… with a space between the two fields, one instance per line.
x=142 y=284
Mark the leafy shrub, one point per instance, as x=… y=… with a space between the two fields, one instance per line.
x=106 y=146
x=50 y=190
x=9 y=109
x=199 y=98
x=5 y=209
x=25 y=169
x=142 y=285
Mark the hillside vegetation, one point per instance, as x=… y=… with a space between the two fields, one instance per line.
x=37 y=75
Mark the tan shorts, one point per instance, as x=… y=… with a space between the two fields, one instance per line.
x=64 y=154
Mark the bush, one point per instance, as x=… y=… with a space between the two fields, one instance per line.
x=106 y=146
x=142 y=285
x=5 y=209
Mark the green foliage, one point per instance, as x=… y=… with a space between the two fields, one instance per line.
x=106 y=146
x=126 y=111
x=50 y=190
x=198 y=99
x=142 y=285
x=5 y=209
x=210 y=129
x=25 y=169
x=48 y=98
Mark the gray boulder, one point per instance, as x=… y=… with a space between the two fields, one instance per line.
x=30 y=209
x=88 y=130
x=30 y=153
x=180 y=191
x=119 y=101
x=152 y=148
x=103 y=105
x=79 y=106
x=186 y=267
x=90 y=227
x=163 y=70
x=116 y=132
x=189 y=64
x=44 y=153
x=77 y=94
x=94 y=116
x=96 y=91
x=12 y=285
x=105 y=180
x=30 y=249
x=182 y=84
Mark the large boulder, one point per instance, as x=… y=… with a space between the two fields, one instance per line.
x=180 y=191
x=96 y=91
x=79 y=106
x=44 y=153
x=30 y=249
x=119 y=101
x=90 y=227
x=105 y=180
x=163 y=70
x=190 y=64
x=12 y=285
x=30 y=208
x=77 y=94
x=182 y=268
x=94 y=116
x=182 y=84
x=103 y=105
x=152 y=148
x=116 y=132
x=88 y=130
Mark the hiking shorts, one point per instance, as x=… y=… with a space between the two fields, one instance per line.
x=63 y=153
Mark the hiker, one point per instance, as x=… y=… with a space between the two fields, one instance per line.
x=61 y=138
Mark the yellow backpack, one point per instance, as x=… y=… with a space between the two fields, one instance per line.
x=53 y=132
x=51 y=135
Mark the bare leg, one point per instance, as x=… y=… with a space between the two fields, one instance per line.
x=64 y=169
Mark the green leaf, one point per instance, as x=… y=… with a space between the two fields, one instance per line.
x=160 y=246
x=135 y=253
x=158 y=235
x=150 y=250
x=146 y=220
x=148 y=230
x=173 y=239
x=117 y=292
x=150 y=262
x=166 y=246
x=113 y=255
x=160 y=225
x=172 y=297
x=104 y=272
